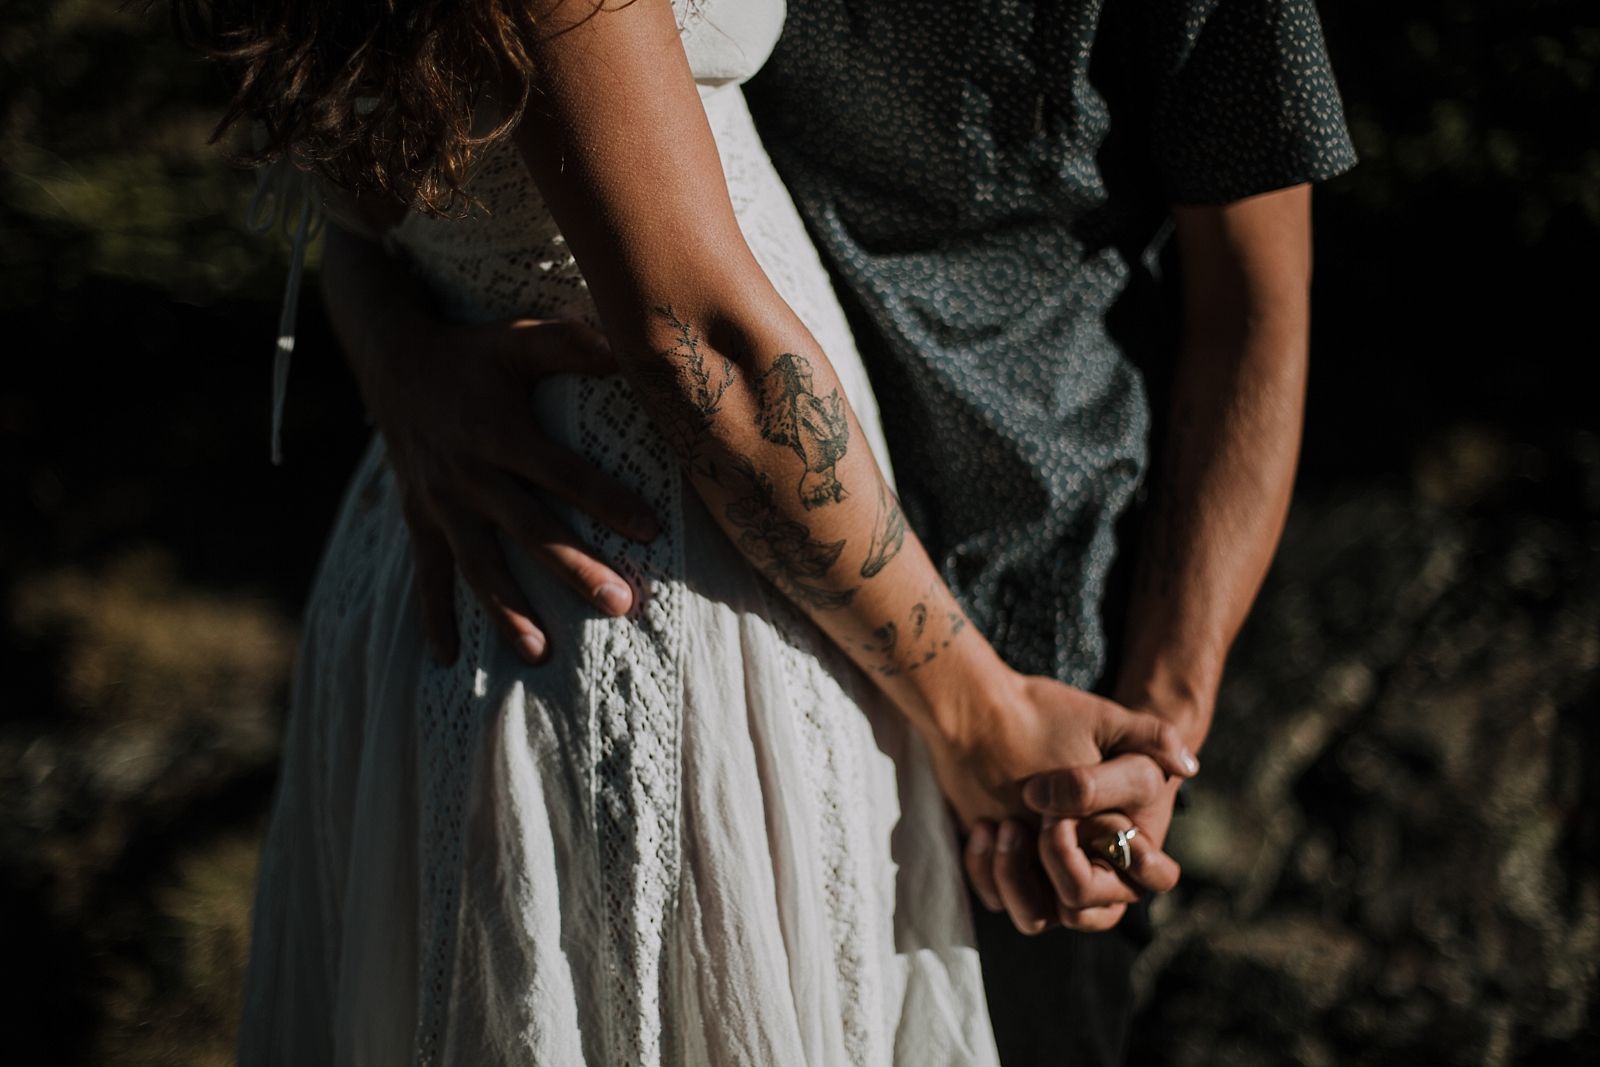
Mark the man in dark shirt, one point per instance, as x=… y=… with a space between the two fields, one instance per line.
x=953 y=164
x=946 y=158
x=981 y=178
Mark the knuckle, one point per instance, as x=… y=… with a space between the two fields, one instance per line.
x=586 y=571
x=977 y=873
x=1066 y=891
x=1147 y=777
x=1158 y=877
x=1077 y=787
x=592 y=580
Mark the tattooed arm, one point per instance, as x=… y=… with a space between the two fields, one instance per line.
x=618 y=142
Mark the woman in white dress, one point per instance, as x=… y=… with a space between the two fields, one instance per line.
x=711 y=829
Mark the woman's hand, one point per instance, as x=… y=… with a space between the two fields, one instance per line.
x=1091 y=767
x=1094 y=753
x=1058 y=873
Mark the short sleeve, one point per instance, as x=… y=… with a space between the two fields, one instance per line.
x=1243 y=100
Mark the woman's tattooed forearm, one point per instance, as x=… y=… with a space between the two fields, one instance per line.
x=896 y=648
x=690 y=410
x=789 y=413
x=686 y=386
x=782 y=548
x=888 y=534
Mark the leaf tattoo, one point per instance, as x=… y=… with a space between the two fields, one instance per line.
x=888 y=534
x=787 y=554
x=790 y=414
x=688 y=395
x=688 y=423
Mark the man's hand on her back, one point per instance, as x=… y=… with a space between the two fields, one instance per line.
x=455 y=405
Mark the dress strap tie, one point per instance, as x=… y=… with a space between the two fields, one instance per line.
x=278 y=184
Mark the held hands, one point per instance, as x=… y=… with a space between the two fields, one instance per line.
x=1121 y=771
x=1059 y=872
x=454 y=406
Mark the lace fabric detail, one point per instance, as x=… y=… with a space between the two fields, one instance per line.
x=858 y=914
x=348 y=572
x=528 y=824
x=509 y=258
x=633 y=668
x=452 y=700
x=506 y=257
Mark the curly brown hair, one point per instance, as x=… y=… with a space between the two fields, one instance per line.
x=376 y=95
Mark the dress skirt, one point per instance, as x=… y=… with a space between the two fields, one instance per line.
x=697 y=835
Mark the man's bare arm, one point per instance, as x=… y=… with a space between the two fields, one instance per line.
x=1220 y=490
x=1223 y=482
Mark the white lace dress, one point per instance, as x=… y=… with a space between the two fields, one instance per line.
x=696 y=836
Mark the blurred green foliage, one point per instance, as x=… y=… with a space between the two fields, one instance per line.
x=1494 y=101
x=105 y=165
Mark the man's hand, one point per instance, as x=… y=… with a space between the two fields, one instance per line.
x=1056 y=873
x=1092 y=767
x=456 y=411
x=455 y=406
x=1219 y=497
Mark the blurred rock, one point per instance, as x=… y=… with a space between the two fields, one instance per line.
x=130 y=821
x=174 y=693
x=202 y=916
x=1392 y=855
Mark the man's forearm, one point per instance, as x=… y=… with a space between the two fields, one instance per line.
x=366 y=292
x=1223 y=483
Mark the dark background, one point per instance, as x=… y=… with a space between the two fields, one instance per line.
x=1392 y=857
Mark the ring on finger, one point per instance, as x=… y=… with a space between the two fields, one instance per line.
x=1116 y=848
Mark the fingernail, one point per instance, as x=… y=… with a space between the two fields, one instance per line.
x=1190 y=764
x=644 y=527
x=532 y=647
x=1037 y=792
x=1008 y=837
x=613 y=599
x=982 y=842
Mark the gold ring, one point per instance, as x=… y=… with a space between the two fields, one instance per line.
x=1116 y=849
